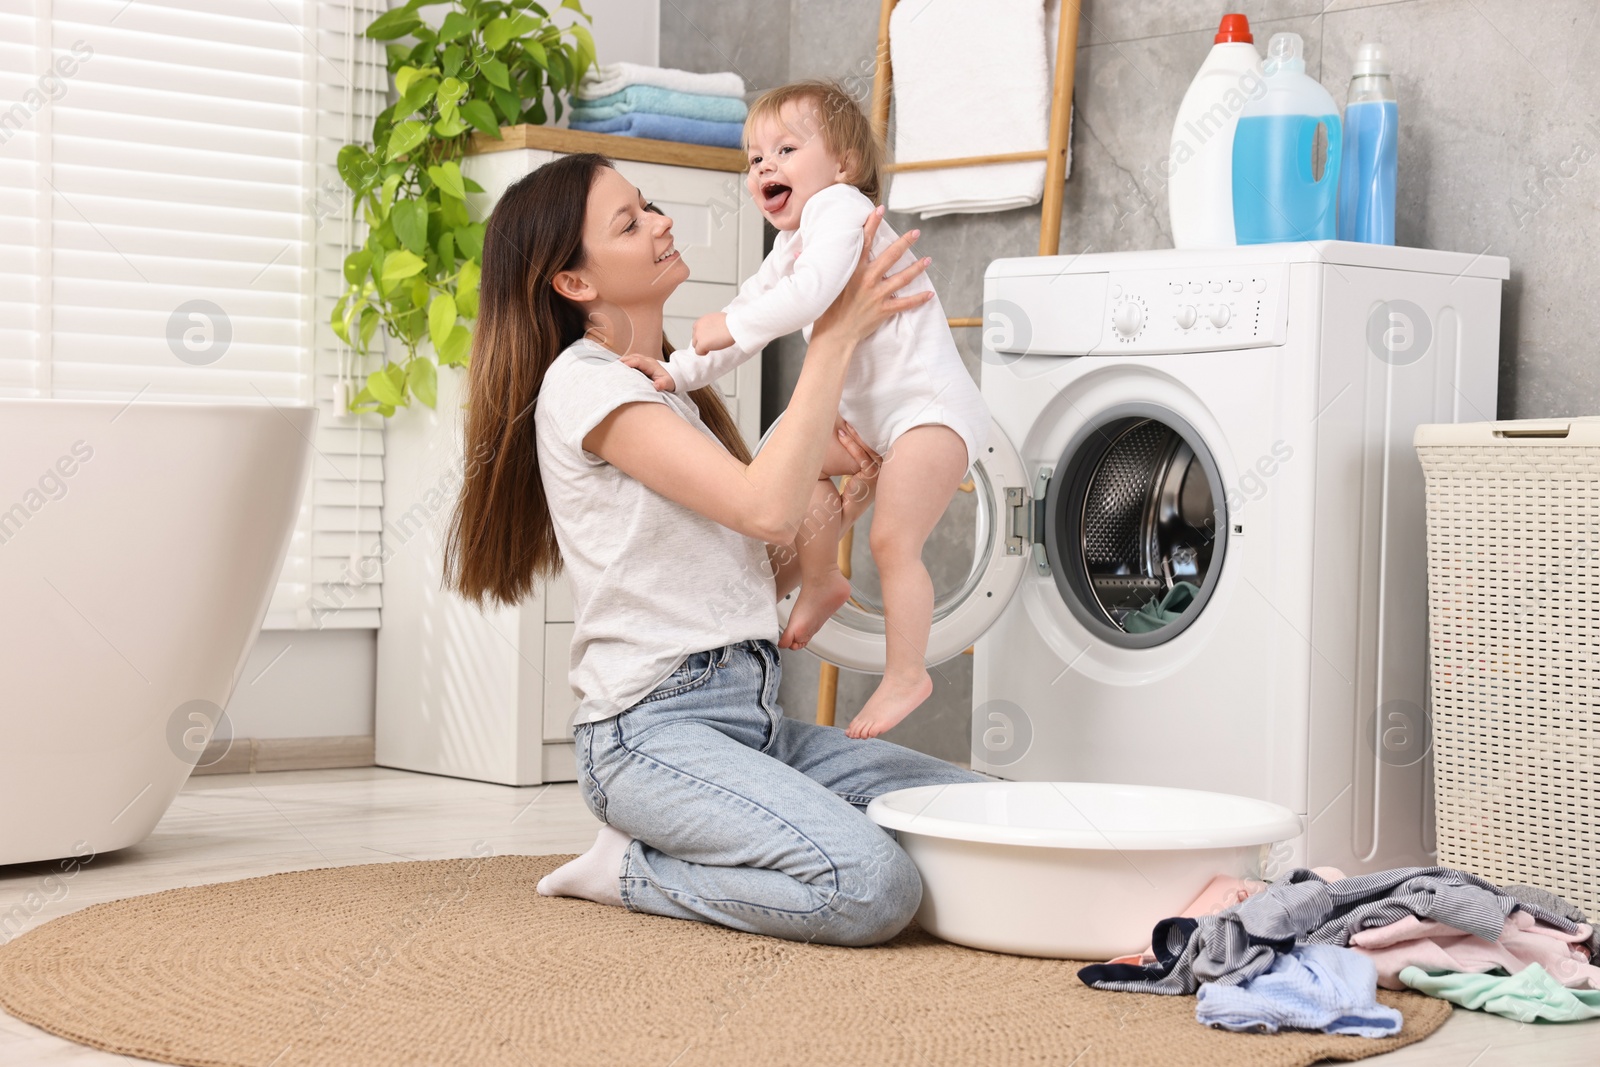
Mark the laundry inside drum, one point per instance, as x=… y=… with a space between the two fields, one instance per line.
x=1147 y=526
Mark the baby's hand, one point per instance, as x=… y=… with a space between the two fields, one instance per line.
x=711 y=333
x=652 y=369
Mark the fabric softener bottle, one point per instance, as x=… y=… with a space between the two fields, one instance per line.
x=1286 y=154
x=1371 y=140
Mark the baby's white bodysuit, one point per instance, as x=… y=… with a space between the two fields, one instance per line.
x=907 y=373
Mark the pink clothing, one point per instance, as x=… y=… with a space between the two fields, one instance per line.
x=1436 y=946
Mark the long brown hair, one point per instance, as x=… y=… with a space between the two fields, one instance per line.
x=501 y=538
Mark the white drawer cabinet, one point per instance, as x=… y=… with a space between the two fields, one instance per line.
x=484 y=694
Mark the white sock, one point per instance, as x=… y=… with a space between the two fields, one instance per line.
x=595 y=874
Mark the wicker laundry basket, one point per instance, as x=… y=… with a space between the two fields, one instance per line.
x=1514 y=634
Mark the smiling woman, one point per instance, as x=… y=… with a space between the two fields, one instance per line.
x=677 y=545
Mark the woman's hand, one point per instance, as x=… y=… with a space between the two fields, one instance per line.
x=863 y=483
x=652 y=369
x=868 y=299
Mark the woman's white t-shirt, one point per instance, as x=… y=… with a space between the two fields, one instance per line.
x=652 y=580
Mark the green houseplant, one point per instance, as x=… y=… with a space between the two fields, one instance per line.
x=486 y=65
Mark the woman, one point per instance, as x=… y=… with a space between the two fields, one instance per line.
x=677 y=545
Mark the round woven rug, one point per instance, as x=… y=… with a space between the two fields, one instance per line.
x=460 y=961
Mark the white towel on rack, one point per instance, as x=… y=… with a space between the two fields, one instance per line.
x=614 y=77
x=970 y=82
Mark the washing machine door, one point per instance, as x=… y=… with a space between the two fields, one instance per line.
x=1135 y=525
x=985 y=514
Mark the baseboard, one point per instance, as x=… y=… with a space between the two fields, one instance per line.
x=242 y=755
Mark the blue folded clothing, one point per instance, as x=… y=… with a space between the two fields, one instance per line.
x=669 y=128
x=1313 y=987
x=660 y=101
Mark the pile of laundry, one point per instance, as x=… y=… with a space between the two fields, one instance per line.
x=1309 y=951
x=661 y=103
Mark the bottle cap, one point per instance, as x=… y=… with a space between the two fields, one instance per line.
x=1234 y=28
x=1371 y=58
x=1284 y=53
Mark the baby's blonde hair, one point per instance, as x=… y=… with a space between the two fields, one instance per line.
x=845 y=130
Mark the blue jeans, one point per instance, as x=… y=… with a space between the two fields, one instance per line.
x=748 y=819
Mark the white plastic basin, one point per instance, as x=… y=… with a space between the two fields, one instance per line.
x=1071 y=870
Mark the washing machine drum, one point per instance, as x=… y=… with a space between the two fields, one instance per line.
x=1136 y=528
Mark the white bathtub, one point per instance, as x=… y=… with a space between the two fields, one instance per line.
x=1071 y=870
x=139 y=546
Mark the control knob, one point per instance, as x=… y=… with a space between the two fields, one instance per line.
x=1128 y=319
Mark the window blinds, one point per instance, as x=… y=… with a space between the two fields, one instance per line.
x=172 y=227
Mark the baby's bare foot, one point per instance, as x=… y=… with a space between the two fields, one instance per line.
x=813 y=606
x=893 y=700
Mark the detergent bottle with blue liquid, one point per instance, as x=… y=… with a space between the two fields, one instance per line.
x=1371 y=138
x=1286 y=154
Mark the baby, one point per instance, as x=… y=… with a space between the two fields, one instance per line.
x=814 y=163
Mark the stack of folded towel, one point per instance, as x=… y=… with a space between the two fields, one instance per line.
x=661 y=103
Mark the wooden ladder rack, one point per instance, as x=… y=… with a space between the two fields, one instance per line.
x=1055 y=175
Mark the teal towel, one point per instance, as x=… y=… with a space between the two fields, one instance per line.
x=1153 y=614
x=662 y=102
x=1530 y=995
x=668 y=128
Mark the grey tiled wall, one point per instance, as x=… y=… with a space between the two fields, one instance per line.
x=1499 y=154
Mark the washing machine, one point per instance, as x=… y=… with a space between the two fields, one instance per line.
x=1199 y=533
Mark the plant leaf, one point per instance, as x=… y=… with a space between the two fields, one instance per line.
x=340 y=323
x=356 y=265
x=406 y=136
x=496 y=72
x=441 y=319
x=356 y=166
x=449 y=126
x=447 y=176
x=369 y=325
x=386 y=196
x=481 y=116
x=394 y=24
x=451 y=90
x=388 y=386
x=510 y=103
x=423 y=378
x=457 y=346
x=401 y=264
x=410 y=218
x=456 y=25
x=585 y=57
x=408 y=77
x=496 y=33
x=419 y=96
x=469 y=239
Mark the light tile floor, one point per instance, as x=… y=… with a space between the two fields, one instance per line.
x=226 y=827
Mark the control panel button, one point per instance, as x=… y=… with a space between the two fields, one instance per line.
x=1116 y=292
x=1175 y=287
x=1128 y=319
x=1261 y=285
x=1236 y=286
x=1216 y=287
x=1195 y=287
x=1219 y=316
x=1185 y=316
